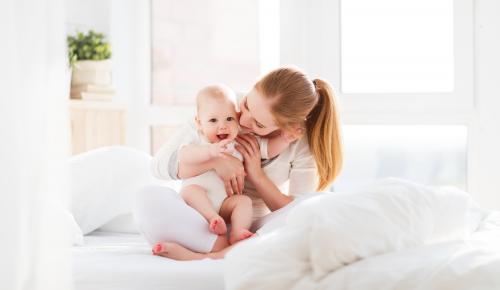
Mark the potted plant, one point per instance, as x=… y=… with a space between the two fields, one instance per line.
x=89 y=56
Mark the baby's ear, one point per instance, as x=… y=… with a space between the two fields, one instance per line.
x=197 y=123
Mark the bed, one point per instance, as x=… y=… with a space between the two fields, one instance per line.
x=121 y=261
x=371 y=252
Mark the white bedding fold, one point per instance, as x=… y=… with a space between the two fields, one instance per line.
x=329 y=231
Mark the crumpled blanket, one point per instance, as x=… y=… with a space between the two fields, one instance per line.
x=332 y=230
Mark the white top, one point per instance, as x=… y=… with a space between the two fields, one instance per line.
x=293 y=171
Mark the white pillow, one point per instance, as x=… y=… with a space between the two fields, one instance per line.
x=68 y=222
x=103 y=182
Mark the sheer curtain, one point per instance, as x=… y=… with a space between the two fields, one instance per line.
x=33 y=145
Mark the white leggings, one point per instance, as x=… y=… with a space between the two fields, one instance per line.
x=162 y=215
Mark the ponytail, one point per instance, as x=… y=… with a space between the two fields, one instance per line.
x=298 y=101
x=323 y=134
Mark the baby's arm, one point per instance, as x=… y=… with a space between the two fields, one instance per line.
x=196 y=153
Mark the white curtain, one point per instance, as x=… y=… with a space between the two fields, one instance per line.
x=33 y=145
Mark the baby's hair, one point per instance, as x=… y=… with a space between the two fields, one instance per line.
x=217 y=92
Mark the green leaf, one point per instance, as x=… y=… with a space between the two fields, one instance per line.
x=91 y=45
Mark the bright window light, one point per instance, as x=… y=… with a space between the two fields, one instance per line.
x=430 y=154
x=397 y=46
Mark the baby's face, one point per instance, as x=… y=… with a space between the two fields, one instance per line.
x=217 y=120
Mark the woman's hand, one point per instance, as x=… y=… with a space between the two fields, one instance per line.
x=248 y=146
x=231 y=171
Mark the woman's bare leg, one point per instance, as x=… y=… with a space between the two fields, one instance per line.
x=178 y=252
x=196 y=197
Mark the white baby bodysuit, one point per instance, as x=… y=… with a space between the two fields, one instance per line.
x=209 y=180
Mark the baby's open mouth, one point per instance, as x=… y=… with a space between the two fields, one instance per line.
x=222 y=136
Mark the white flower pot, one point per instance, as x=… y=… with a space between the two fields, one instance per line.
x=96 y=72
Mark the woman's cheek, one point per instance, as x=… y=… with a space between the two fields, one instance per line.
x=244 y=122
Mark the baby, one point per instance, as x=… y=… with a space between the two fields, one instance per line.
x=218 y=126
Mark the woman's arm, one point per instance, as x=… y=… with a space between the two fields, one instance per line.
x=268 y=191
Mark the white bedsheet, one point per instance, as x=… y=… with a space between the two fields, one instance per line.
x=116 y=261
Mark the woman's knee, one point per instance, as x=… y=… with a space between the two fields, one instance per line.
x=150 y=198
x=154 y=192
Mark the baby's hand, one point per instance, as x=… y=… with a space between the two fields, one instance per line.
x=216 y=149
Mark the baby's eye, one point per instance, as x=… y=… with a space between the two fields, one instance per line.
x=229 y=119
x=213 y=120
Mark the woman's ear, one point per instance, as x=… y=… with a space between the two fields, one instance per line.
x=298 y=130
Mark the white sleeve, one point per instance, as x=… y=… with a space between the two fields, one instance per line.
x=165 y=163
x=303 y=173
x=263 y=147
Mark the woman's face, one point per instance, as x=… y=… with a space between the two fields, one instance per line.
x=256 y=114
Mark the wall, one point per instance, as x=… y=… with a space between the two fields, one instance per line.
x=126 y=23
x=89 y=14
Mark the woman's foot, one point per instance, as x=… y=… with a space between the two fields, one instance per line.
x=217 y=225
x=239 y=235
x=176 y=252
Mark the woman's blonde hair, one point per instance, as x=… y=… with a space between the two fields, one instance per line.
x=310 y=105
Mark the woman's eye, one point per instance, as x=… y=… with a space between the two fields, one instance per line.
x=259 y=125
x=213 y=120
x=229 y=118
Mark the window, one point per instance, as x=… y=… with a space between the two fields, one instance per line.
x=394 y=46
x=399 y=68
x=433 y=155
x=196 y=43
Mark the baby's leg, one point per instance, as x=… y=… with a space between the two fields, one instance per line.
x=196 y=197
x=238 y=209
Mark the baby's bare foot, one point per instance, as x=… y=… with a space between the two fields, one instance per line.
x=217 y=225
x=239 y=235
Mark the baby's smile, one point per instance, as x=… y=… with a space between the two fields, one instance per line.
x=222 y=136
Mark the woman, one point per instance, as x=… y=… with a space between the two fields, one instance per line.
x=284 y=100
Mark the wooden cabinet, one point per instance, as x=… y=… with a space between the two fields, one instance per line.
x=96 y=124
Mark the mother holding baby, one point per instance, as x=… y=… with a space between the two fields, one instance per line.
x=284 y=102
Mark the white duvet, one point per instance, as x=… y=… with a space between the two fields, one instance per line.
x=402 y=231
